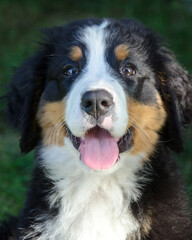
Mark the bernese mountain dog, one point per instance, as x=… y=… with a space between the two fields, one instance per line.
x=102 y=103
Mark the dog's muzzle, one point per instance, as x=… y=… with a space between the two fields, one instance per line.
x=98 y=149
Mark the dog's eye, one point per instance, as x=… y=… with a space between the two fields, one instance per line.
x=70 y=71
x=128 y=70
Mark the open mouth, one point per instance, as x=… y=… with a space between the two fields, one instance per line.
x=98 y=149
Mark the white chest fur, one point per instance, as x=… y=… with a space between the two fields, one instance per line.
x=91 y=205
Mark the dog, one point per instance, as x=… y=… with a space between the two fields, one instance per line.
x=103 y=102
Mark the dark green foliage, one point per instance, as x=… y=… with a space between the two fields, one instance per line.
x=20 y=22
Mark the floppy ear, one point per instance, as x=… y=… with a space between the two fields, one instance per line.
x=176 y=90
x=23 y=99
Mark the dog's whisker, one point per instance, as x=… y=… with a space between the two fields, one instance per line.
x=142 y=135
x=58 y=120
x=55 y=131
x=144 y=132
x=58 y=133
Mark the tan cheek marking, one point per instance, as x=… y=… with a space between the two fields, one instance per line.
x=76 y=53
x=122 y=52
x=147 y=121
x=51 y=117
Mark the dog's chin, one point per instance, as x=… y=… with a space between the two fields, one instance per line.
x=98 y=149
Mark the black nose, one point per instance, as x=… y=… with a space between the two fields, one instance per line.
x=97 y=103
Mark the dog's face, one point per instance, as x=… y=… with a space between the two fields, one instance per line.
x=104 y=89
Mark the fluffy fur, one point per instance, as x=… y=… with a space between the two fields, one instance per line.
x=141 y=196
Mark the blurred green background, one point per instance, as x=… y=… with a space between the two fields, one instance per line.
x=20 y=22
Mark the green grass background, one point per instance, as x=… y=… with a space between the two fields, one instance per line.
x=20 y=22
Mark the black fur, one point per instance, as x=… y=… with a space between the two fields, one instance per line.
x=163 y=199
x=24 y=97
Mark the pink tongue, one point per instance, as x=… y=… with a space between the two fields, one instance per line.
x=99 y=150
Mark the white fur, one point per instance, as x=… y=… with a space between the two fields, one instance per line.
x=96 y=75
x=93 y=204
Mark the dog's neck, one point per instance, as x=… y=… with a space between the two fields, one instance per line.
x=89 y=203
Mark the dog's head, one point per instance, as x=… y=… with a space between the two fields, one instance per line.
x=105 y=87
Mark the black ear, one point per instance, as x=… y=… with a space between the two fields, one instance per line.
x=23 y=99
x=176 y=91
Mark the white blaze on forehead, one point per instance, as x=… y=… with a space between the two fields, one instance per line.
x=94 y=37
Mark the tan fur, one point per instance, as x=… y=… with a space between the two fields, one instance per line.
x=51 y=117
x=147 y=121
x=122 y=52
x=76 y=53
x=162 y=79
x=146 y=226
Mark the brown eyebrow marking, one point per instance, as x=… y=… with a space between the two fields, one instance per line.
x=75 y=53
x=122 y=52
